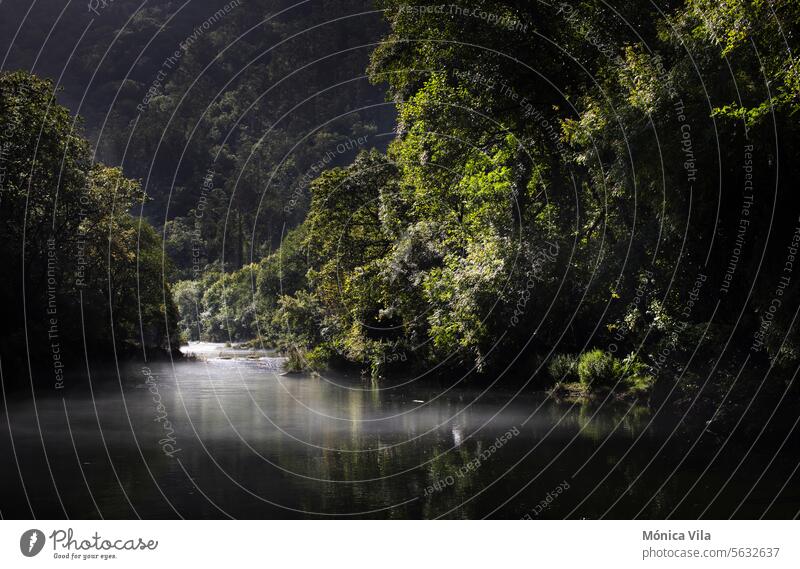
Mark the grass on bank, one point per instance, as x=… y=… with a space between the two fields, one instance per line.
x=597 y=371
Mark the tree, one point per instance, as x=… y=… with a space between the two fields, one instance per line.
x=88 y=271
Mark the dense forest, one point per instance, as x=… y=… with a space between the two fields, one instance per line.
x=212 y=113
x=596 y=198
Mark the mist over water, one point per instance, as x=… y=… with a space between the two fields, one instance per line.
x=236 y=438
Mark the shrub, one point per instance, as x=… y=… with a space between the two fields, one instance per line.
x=188 y=298
x=564 y=368
x=295 y=360
x=298 y=317
x=598 y=370
x=638 y=375
x=318 y=357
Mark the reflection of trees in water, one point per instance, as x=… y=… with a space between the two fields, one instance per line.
x=609 y=469
x=447 y=482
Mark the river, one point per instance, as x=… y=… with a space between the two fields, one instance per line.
x=228 y=435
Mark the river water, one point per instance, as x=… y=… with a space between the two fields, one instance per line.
x=227 y=435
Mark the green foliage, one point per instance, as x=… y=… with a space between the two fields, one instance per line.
x=742 y=28
x=295 y=360
x=253 y=115
x=598 y=370
x=92 y=272
x=297 y=318
x=188 y=299
x=563 y=368
x=544 y=193
x=228 y=129
x=229 y=307
x=638 y=376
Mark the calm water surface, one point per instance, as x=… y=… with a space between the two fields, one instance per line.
x=228 y=435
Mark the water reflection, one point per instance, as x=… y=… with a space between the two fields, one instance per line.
x=253 y=443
